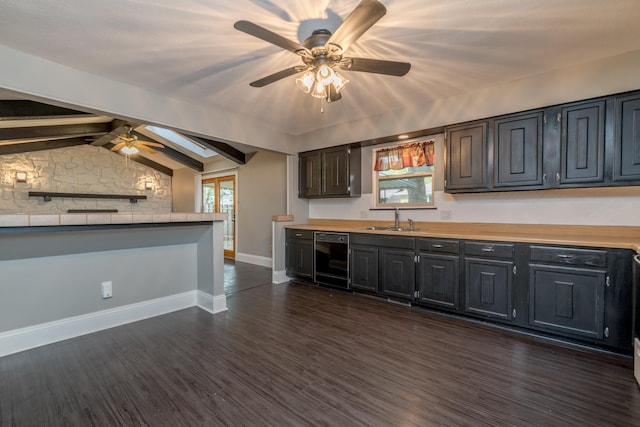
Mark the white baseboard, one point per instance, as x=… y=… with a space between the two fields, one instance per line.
x=46 y=333
x=254 y=259
x=279 y=277
x=212 y=304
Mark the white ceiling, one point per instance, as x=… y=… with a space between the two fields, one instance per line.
x=188 y=50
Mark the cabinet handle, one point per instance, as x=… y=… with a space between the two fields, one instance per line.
x=514 y=313
x=557 y=176
x=488 y=249
x=436 y=246
x=298 y=234
x=606 y=332
x=544 y=178
x=565 y=256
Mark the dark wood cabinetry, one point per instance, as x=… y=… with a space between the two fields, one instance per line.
x=397 y=273
x=580 y=144
x=310 y=175
x=333 y=172
x=627 y=139
x=364 y=268
x=466 y=156
x=299 y=254
x=438 y=273
x=518 y=147
x=489 y=271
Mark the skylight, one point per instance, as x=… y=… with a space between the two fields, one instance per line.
x=182 y=141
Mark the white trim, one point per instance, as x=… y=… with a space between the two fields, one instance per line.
x=255 y=259
x=279 y=277
x=211 y=303
x=22 y=339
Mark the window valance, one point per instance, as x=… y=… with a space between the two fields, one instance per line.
x=405 y=156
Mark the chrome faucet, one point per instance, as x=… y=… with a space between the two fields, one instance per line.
x=397 y=217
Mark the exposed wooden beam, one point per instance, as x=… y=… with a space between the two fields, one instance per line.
x=222 y=148
x=18 y=108
x=174 y=154
x=37 y=132
x=144 y=161
x=40 y=145
x=116 y=128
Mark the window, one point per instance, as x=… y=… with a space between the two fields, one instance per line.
x=404 y=175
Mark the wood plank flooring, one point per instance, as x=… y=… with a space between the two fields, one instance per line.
x=297 y=355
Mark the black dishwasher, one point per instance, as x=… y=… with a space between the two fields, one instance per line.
x=331 y=259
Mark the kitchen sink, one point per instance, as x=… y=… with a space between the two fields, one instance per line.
x=380 y=228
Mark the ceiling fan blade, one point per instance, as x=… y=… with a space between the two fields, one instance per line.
x=271 y=37
x=152 y=144
x=377 y=66
x=367 y=13
x=277 y=76
x=147 y=149
x=118 y=146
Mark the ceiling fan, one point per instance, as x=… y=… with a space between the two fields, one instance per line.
x=322 y=53
x=129 y=143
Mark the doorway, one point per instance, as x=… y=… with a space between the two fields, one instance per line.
x=219 y=196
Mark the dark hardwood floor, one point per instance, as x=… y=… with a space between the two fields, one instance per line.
x=298 y=355
x=239 y=276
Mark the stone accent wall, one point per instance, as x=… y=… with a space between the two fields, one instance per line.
x=80 y=169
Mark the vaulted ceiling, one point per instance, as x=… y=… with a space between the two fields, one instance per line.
x=184 y=66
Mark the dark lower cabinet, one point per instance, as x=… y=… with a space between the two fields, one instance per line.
x=488 y=287
x=364 y=268
x=567 y=300
x=299 y=254
x=397 y=273
x=438 y=281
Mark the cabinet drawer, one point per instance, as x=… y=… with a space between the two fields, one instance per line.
x=299 y=234
x=443 y=246
x=489 y=249
x=569 y=256
x=383 y=240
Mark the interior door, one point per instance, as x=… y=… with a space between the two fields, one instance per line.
x=219 y=196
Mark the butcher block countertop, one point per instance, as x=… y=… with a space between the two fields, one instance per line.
x=625 y=237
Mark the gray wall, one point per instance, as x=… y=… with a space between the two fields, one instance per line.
x=39 y=290
x=183 y=190
x=262 y=190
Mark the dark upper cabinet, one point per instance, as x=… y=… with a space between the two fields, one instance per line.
x=364 y=268
x=333 y=172
x=582 y=143
x=627 y=139
x=310 y=175
x=518 y=149
x=466 y=154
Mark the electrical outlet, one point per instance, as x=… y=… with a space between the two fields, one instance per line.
x=445 y=215
x=107 y=289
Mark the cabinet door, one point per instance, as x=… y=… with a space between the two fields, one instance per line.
x=567 y=299
x=582 y=143
x=299 y=258
x=397 y=273
x=518 y=148
x=310 y=175
x=335 y=172
x=364 y=268
x=488 y=287
x=466 y=158
x=438 y=280
x=627 y=139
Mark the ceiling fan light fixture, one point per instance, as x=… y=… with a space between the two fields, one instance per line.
x=306 y=82
x=339 y=81
x=129 y=150
x=319 y=90
x=325 y=74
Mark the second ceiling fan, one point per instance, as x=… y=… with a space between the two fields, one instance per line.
x=322 y=53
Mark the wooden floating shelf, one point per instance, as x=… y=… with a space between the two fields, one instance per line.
x=47 y=196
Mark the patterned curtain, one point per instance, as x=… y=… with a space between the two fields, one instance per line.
x=405 y=156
